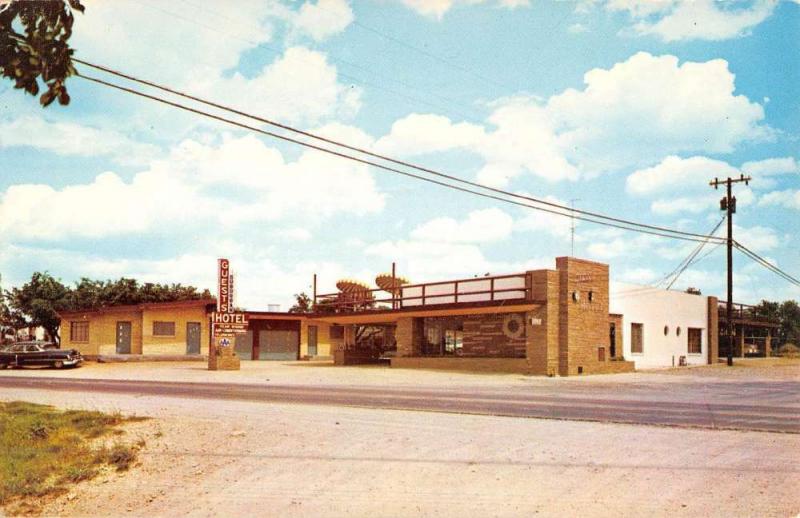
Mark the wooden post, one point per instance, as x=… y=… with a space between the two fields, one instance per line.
x=455 y=300
x=491 y=288
x=394 y=285
x=423 y=294
x=315 y=292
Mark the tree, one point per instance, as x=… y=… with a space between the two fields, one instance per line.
x=41 y=50
x=303 y=304
x=787 y=315
x=37 y=303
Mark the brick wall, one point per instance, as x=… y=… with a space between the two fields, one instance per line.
x=543 y=330
x=485 y=336
x=583 y=323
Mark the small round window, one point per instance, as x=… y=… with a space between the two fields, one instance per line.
x=576 y=296
x=678 y=331
x=666 y=330
x=591 y=296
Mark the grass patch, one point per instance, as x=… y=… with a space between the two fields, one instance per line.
x=44 y=450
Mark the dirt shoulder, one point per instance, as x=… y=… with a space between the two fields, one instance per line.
x=241 y=459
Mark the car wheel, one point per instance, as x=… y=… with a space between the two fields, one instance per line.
x=58 y=364
x=3 y=366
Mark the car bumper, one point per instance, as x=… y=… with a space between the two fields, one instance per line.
x=74 y=362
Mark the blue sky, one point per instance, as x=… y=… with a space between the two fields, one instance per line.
x=627 y=106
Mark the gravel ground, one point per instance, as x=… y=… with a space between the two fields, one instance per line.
x=232 y=458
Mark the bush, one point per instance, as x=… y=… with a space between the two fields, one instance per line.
x=789 y=350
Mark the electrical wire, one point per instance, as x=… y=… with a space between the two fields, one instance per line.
x=623 y=223
x=766 y=264
x=382 y=166
x=689 y=260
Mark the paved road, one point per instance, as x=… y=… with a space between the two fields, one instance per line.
x=473 y=401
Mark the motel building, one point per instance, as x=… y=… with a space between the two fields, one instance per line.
x=566 y=321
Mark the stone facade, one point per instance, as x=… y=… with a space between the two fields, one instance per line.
x=489 y=336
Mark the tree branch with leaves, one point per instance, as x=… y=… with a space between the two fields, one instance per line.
x=34 y=46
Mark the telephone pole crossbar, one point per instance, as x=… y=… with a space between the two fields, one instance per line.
x=728 y=204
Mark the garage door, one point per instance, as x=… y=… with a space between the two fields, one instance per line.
x=278 y=345
x=244 y=345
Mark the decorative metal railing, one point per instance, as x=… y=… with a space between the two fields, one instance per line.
x=461 y=291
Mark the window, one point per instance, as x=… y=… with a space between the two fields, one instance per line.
x=695 y=341
x=453 y=341
x=666 y=330
x=163 y=328
x=337 y=332
x=637 y=338
x=79 y=331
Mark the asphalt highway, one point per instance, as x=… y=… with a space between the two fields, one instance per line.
x=729 y=416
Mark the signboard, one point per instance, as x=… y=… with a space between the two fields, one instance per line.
x=229 y=323
x=224 y=304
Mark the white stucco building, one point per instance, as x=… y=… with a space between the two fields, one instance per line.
x=662 y=328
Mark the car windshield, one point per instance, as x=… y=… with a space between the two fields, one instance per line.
x=32 y=348
x=49 y=346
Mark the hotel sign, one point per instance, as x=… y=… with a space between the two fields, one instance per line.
x=229 y=323
x=225 y=322
x=224 y=302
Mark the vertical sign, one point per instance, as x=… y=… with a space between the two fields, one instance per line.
x=223 y=286
x=231 y=292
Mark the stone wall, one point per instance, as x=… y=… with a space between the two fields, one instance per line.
x=486 y=336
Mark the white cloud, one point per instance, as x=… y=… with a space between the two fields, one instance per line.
x=539 y=222
x=418 y=134
x=699 y=203
x=647 y=106
x=239 y=181
x=766 y=173
x=789 y=198
x=324 y=18
x=675 y=20
x=678 y=173
x=577 y=28
x=68 y=138
x=693 y=174
x=651 y=106
x=437 y=8
x=480 y=226
x=300 y=87
x=756 y=238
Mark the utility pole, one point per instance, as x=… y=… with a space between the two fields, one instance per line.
x=728 y=204
x=572 y=226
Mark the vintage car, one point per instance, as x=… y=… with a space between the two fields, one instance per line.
x=38 y=353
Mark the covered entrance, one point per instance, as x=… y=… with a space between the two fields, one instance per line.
x=269 y=338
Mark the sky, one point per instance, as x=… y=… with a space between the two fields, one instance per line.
x=624 y=107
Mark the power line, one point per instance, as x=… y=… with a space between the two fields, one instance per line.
x=367 y=162
x=618 y=222
x=688 y=260
x=766 y=264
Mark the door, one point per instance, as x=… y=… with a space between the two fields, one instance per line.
x=123 y=337
x=312 y=340
x=612 y=339
x=278 y=345
x=192 y=337
x=243 y=345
